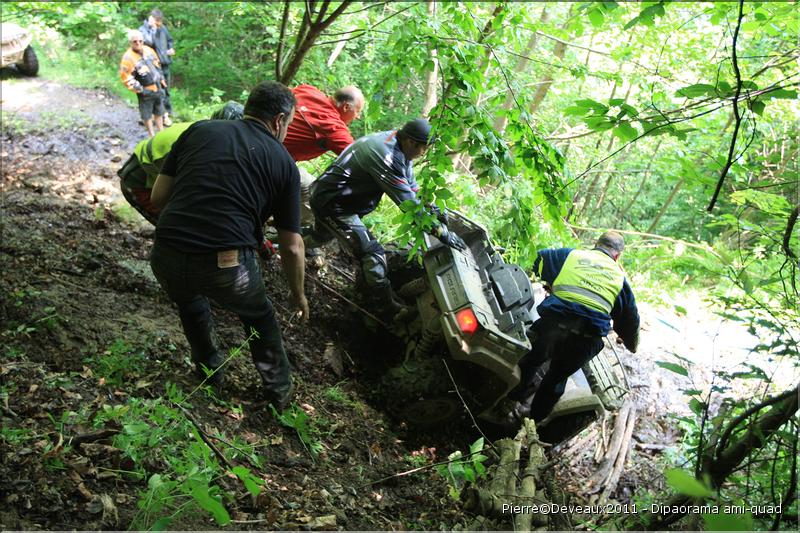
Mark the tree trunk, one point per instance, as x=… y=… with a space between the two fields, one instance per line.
x=502 y=120
x=431 y=78
x=663 y=209
x=308 y=32
x=646 y=175
x=547 y=80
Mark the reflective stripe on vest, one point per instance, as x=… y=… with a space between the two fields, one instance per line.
x=590 y=278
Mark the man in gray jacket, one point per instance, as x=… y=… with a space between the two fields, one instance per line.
x=157 y=37
x=353 y=185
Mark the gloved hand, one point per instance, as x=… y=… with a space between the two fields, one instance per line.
x=450 y=239
x=441 y=216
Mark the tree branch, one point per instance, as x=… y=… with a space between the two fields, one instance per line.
x=723 y=441
x=787 y=235
x=732 y=149
x=279 y=51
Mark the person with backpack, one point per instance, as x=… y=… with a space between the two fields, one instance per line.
x=140 y=71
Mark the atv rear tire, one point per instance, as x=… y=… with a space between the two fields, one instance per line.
x=30 y=64
x=418 y=392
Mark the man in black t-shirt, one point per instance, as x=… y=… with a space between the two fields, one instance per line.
x=220 y=183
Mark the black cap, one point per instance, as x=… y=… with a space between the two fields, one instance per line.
x=419 y=130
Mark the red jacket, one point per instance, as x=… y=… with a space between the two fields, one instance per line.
x=317 y=126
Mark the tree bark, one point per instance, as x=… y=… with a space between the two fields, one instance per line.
x=502 y=120
x=309 y=31
x=666 y=205
x=431 y=96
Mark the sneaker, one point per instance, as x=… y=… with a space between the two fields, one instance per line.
x=167 y=121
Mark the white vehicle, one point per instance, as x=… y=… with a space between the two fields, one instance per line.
x=17 y=50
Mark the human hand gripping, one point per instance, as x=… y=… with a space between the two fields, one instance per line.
x=300 y=305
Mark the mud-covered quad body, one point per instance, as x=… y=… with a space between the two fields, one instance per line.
x=16 y=49
x=470 y=313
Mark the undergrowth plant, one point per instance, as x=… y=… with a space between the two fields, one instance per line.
x=117 y=363
x=461 y=469
x=297 y=419
x=168 y=450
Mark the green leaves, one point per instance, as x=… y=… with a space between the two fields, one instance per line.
x=460 y=470
x=728 y=522
x=685 y=483
x=647 y=16
x=251 y=483
x=201 y=495
x=698 y=89
x=673 y=367
x=625 y=132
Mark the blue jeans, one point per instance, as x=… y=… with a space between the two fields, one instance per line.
x=190 y=279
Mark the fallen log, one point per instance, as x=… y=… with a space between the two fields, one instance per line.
x=515 y=485
x=620 y=439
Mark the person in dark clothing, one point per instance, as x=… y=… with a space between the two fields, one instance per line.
x=353 y=185
x=157 y=37
x=588 y=290
x=220 y=183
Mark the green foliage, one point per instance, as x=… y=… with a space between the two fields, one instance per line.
x=154 y=435
x=460 y=469
x=117 y=364
x=685 y=483
x=297 y=419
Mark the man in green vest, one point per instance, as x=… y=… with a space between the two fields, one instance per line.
x=587 y=290
x=139 y=173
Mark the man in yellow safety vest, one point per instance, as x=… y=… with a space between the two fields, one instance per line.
x=588 y=290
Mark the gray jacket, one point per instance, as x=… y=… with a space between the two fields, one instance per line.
x=159 y=40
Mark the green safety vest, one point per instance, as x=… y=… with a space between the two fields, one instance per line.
x=152 y=152
x=590 y=278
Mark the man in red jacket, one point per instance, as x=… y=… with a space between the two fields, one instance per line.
x=320 y=125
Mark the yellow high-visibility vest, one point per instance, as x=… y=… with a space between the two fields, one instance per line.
x=590 y=278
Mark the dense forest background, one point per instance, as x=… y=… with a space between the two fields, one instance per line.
x=676 y=123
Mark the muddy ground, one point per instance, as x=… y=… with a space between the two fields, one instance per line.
x=85 y=330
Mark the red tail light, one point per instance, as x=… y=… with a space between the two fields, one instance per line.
x=467 y=321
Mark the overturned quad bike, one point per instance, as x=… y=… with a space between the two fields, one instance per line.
x=465 y=334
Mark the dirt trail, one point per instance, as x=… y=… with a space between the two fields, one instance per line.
x=75 y=283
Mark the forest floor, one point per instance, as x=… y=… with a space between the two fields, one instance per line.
x=88 y=335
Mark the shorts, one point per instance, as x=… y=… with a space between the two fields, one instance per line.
x=151 y=104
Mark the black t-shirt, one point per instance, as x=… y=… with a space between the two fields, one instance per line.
x=229 y=177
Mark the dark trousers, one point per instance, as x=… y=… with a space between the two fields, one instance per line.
x=191 y=279
x=562 y=343
x=168 y=79
x=352 y=233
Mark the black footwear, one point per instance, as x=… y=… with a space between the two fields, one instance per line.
x=281 y=400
